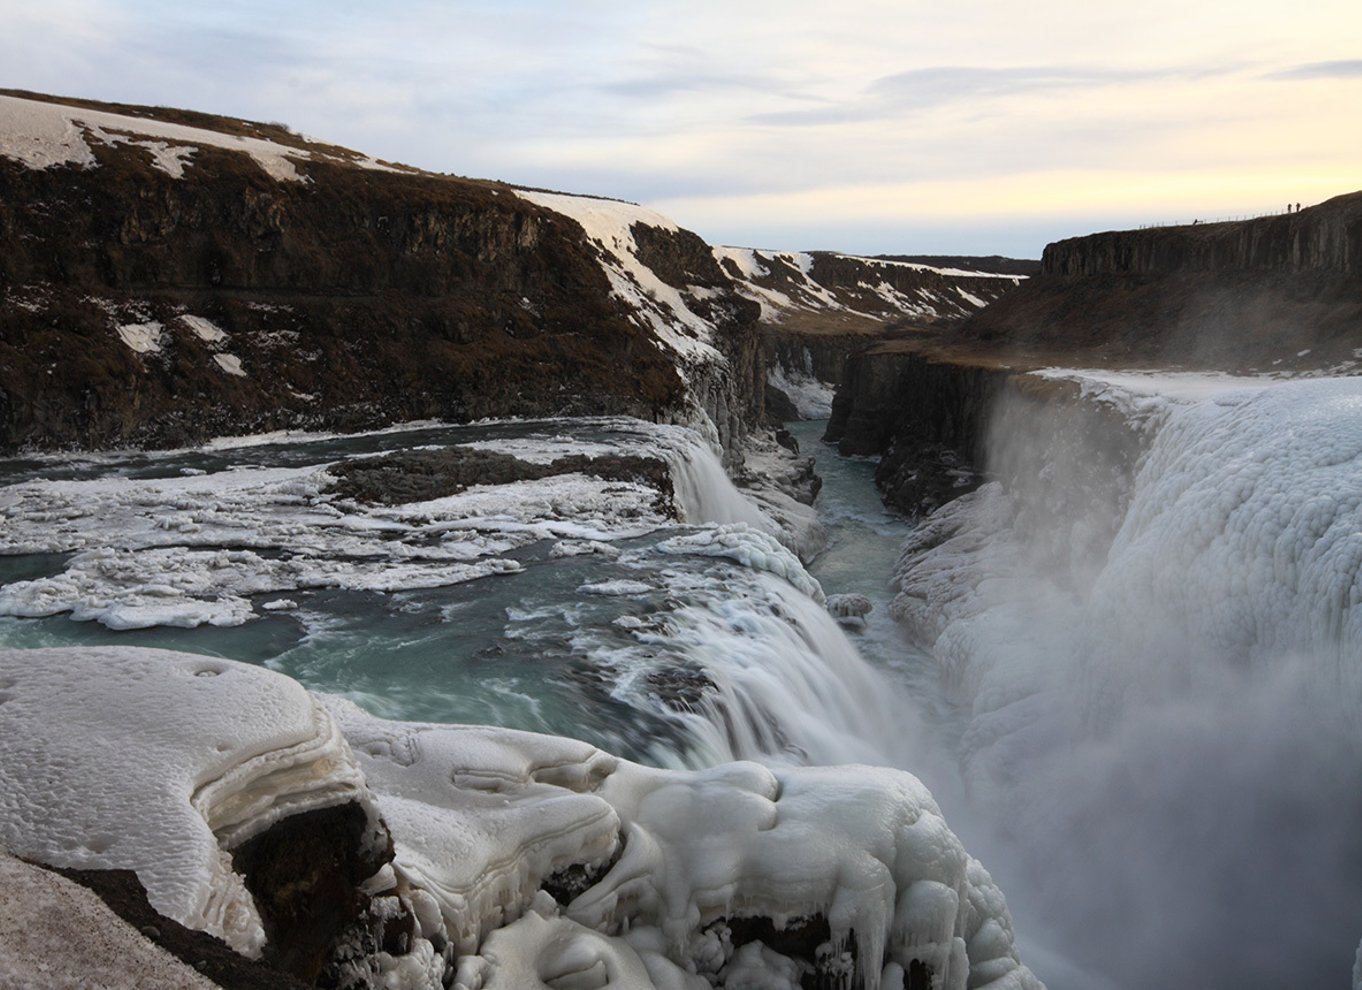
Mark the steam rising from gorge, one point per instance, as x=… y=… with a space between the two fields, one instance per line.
x=1158 y=683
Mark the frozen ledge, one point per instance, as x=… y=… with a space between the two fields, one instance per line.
x=520 y=860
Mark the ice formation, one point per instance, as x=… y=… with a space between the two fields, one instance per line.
x=1203 y=661
x=1253 y=503
x=161 y=763
x=153 y=550
x=197 y=754
x=481 y=817
x=812 y=398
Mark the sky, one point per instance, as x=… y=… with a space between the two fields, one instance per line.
x=866 y=126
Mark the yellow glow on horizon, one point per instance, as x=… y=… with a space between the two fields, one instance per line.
x=1164 y=197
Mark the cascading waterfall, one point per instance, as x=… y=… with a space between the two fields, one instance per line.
x=1168 y=745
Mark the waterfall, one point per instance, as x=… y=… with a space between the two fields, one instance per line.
x=1161 y=728
x=702 y=491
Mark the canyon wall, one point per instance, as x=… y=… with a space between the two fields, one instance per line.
x=1276 y=295
x=154 y=300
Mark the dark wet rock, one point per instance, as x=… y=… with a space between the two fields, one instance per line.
x=420 y=475
x=569 y=883
x=918 y=478
x=305 y=875
x=808 y=941
x=850 y=606
x=681 y=688
x=780 y=408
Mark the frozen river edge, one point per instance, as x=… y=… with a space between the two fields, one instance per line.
x=856 y=862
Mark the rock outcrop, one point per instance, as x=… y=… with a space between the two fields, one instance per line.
x=1277 y=294
x=171 y=276
x=1273 y=293
x=818 y=307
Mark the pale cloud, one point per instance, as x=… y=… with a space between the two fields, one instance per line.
x=974 y=121
x=1343 y=69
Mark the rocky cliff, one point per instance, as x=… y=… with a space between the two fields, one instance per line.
x=1269 y=294
x=819 y=307
x=1274 y=295
x=168 y=276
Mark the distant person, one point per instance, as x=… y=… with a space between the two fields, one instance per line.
x=1298 y=207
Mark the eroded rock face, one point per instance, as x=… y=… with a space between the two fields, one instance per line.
x=1270 y=294
x=148 y=309
x=421 y=475
x=306 y=875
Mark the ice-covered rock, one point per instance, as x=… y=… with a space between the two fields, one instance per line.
x=1202 y=658
x=850 y=606
x=482 y=817
x=164 y=763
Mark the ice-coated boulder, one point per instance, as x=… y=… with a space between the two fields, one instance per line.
x=225 y=787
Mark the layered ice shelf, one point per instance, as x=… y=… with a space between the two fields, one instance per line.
x=162 y=762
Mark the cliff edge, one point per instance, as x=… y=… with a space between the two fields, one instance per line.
x=169 y=276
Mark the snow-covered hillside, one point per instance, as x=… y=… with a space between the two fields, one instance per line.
x=845 y=287
x=42 y=134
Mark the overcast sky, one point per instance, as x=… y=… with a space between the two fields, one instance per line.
x=869 y=126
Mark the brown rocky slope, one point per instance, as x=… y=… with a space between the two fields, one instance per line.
x=141 y=307
x=1280 y=294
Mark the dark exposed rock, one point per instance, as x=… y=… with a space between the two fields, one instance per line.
x=1246 y=295
x=681 y=688
x=1327 y=237
x=126 y=897
x=916 y=477
x=820 y=356
x=903 y=396
x=807 y=940
x=779 y=407
x=352 y=299
x=304 y=874
x=421 y=475
x=569 y=883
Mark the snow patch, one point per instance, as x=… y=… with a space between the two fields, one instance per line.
x=609 y=225
x=229 y=363
x=143 y=338
x=205 y=329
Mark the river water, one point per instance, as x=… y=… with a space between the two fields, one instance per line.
x=652 y=648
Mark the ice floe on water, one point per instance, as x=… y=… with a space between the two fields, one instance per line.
x=185 y=549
